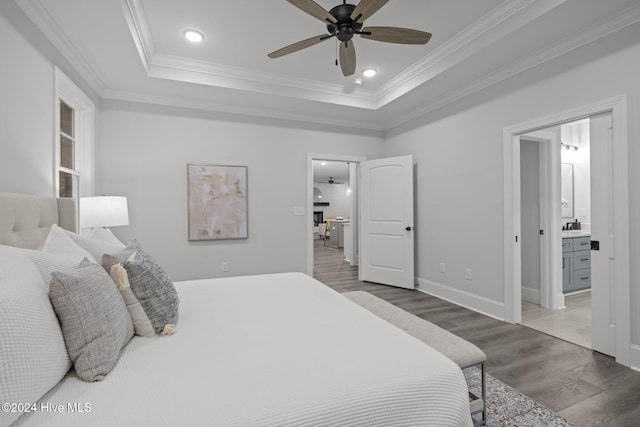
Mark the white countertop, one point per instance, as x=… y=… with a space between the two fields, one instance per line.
x=576 y=233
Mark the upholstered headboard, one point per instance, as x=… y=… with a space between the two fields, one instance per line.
x=25 y=219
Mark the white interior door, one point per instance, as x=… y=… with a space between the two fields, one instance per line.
x=386 y=239
x=602 y=232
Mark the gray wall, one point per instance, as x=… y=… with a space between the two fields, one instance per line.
x=458 y=150
x=144 y=153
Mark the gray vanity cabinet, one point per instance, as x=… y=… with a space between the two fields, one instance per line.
x=576 y=263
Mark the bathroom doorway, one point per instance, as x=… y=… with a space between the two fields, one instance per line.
x=610 y=287
x=570 y=317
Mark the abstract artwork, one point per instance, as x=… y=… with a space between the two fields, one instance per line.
x=217 y=202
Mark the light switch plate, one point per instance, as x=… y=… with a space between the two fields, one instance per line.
x=298 y=211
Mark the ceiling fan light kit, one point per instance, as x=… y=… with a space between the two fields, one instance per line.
x=343 y=22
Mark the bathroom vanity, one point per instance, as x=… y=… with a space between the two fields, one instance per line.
x=576 y=261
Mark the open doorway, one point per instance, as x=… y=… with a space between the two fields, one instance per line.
x=611 y=323
x=332 y=203
x=570 y=317
x=333 y=210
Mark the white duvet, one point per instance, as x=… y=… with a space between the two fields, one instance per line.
x=271 y=350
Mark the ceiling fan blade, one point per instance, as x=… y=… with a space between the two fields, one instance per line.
x=395 y=35
x=366 y=8
x=347 y=58
x=298 y=46
x=314 y=9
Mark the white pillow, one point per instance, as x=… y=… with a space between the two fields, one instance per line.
x=105 y=235
x=33 y=356
x=59 y=242
x=97 y=246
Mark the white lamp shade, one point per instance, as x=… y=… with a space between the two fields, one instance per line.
x=103 y=211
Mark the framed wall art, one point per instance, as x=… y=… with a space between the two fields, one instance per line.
x=217 y=202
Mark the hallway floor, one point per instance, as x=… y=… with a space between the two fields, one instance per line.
x=572 y=324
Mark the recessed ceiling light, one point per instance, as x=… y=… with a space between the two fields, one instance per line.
x=370 y=72
x=358 y=81
x=323 y=163
x=193 y=36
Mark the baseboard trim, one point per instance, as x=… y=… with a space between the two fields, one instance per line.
x=473 y=302
x=635 y=357
x=530 y=294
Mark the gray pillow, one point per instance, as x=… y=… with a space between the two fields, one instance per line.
x=94 y=319
x=111 y=259
x=153 y=289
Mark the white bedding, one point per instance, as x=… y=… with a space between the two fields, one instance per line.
x=271 y=350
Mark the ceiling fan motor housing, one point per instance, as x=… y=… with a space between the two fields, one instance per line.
x=345 y=28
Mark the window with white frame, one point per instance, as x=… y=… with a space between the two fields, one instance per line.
x=68 y=167
x=74 y=117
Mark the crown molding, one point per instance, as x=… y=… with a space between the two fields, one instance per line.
x=477 y=36
x=38 y=14
x=463 y=45
x=366 y=127
x=606 y=27
x=203 y=72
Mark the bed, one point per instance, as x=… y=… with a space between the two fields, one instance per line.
x=265 y=350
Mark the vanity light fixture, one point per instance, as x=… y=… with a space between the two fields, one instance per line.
x=193 y=36
x=569 y=146
x=358 y=81
x=370 y=72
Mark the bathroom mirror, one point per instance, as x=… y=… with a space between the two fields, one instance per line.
x=567 y=190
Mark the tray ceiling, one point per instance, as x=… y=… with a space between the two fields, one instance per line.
x=134 y=50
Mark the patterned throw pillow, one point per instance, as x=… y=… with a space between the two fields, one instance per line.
x=150 y=285
x=93 y=316
x=155 y=291
x=111 y=259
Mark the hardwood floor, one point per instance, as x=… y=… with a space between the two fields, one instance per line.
x=585 y=387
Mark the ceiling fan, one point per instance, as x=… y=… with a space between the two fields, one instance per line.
x=330 y=181
x=343 y=22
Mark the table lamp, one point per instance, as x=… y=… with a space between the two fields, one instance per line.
x=103 y=211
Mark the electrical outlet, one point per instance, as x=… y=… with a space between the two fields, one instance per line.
x=225 y=266
x=467 y=274
x=443 y=268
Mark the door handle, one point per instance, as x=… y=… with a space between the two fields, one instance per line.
x=408 y=228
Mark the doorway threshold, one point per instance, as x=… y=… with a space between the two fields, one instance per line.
x=572 y=323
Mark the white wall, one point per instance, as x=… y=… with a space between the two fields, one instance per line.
x=578 y=134
x=27 y=107
x=458 y=150
x=144 y=155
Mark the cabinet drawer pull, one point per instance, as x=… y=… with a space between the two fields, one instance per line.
x=584 y=259
x=585 y=244
x=584 y=278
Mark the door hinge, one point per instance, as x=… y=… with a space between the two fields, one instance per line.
x=516 y=239
x=542 y=232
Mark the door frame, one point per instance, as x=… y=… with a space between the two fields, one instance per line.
x=355 y=225
x=617 y=106
x=551 y=296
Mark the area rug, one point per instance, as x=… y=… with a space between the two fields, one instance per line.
x=507 y=407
